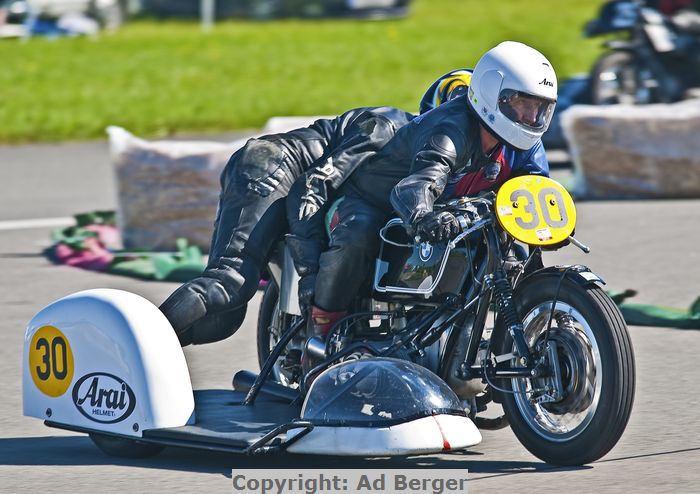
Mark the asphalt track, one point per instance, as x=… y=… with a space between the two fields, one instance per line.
x=651 y=246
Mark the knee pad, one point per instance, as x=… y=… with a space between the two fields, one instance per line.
x=261 y=166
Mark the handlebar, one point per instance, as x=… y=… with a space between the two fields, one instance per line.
x=389 y=224
x=468 y=224
x=465 y=209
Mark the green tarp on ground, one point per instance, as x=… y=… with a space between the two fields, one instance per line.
x=91 y=245
x=180 y=266
x=655 y=315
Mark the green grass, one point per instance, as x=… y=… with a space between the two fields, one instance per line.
x=158 y=78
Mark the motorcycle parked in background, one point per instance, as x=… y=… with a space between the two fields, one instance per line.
x=652 y=58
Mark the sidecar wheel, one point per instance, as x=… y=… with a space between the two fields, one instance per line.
x=123 y=447
x=597 y=368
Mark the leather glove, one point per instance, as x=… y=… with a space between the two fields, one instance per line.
x=316 y=193
x=436 y=227
x=307 y=285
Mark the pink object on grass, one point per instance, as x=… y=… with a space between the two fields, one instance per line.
x=94 y=255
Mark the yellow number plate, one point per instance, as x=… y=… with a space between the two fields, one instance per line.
x=51 y=361
x=535 y=210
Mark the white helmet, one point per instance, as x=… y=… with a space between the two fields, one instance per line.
x=514 y=90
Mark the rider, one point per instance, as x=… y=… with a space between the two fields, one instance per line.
x=472 y=143
x=251 y=213
x=307 y=216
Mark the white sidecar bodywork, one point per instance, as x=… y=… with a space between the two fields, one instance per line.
x=108 y=362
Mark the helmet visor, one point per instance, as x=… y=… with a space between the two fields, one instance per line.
x=532 y=112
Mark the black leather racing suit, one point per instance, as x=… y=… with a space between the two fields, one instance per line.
x=310 y=196
x=407 y=176
x=251 y=215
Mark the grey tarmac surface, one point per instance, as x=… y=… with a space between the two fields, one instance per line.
x=651 y=246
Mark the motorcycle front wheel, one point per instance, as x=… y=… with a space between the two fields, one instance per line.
x=596 y=362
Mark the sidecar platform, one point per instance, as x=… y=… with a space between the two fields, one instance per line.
x=271 y=424
x=225 y=424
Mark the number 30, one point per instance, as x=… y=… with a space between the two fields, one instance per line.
x=531 y=208
x=54 y=354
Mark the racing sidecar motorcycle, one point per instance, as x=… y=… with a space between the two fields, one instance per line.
x=446 y=330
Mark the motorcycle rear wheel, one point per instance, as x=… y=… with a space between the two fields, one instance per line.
x=598 y=373
x=269 y=331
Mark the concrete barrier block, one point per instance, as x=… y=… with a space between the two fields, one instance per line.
x=649 y=151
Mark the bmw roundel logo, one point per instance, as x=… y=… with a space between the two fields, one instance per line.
x=426 y=250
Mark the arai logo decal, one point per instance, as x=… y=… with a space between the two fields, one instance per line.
x=426 y=250
x=104 y=398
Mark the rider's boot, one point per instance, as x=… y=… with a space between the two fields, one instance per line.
x=321 y=322
x=324 y=320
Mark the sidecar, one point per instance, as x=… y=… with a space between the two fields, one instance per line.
x=107 y=363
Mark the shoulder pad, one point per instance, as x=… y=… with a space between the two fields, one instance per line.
x=443 y=144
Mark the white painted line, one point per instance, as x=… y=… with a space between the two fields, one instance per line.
x=36 y=223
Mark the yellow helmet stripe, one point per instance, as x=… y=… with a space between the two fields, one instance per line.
x=455 y=80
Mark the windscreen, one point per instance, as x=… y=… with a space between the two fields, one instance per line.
x=375 y=392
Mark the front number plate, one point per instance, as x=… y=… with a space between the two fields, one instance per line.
x=536 y=210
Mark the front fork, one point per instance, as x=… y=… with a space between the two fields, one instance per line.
x=498 y=289
x=502 y=291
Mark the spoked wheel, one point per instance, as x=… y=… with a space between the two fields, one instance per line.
x=618 y=78
x=272 y=323
x=586 y=417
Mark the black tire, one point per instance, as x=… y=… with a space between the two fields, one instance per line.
x=599 y=389
x=270 y=328
x=123 y=447
x=619 y=78
x=265 y=314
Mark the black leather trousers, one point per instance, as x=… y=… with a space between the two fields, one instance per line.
x=350 y=259
x=250 y=218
